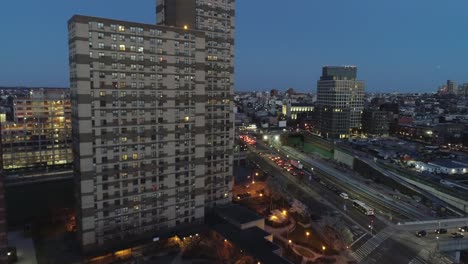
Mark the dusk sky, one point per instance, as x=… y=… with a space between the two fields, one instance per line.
x=398 y=45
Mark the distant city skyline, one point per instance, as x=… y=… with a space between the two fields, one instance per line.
x=398 y=46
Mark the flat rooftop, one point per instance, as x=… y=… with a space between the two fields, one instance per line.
x=237 y=214
x=253 y=241
x=447 y=163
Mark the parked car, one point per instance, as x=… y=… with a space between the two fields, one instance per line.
x=441 y=231
x=457 y=235
x=463 y=229
x=421 y=233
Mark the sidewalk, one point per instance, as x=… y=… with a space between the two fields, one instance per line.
x=24 y=247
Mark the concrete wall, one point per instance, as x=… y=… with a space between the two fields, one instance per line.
x=343 y=157
x=260 y=223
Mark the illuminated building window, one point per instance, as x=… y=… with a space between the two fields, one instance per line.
x=121 y=28
x=124 y=157
x=122 y=47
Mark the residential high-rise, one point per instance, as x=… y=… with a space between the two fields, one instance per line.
x=152 y=122
x=340 y=101
x=39 y=136
x=216 y=20
x=3 y=223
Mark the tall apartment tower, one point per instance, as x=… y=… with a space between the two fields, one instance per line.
x=215 y=18
x=340 y=100
x=138 y=118
x=152 y=123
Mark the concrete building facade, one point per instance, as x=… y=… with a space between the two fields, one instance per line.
x=216 y=20
x=152 y=121
x=340 y=101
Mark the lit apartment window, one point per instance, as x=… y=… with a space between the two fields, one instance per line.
x=102 y=93
x=121 y=28
x=135 y=156
x=124 y=157
x=122 y=47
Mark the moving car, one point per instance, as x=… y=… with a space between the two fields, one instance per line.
x=344 y=196
x=463 y=229
x=421 y=233
x=457 y=235
x=441 y=231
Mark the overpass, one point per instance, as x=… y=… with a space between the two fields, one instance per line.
x=443 y=242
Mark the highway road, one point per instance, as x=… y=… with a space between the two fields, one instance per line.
x=319 y=195
x=386 y=238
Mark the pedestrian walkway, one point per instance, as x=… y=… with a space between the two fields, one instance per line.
x=371 y=244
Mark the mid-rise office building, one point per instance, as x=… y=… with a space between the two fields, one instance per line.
x=376 y=122
x=152 y=121
x=452 y=87
x=216 y=20
x=340 y=101
x=39 y=134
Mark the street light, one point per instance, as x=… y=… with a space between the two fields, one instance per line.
x=289 y=241
x=277 y=138
x=323 y=249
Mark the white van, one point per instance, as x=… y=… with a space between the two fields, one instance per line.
x=344 y=196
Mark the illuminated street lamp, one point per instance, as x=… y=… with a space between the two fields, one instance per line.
x=277 y=138
x=323 y=249
x=284 y=212
x=289 y=241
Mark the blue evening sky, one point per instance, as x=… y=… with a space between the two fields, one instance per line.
x=398 y=45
